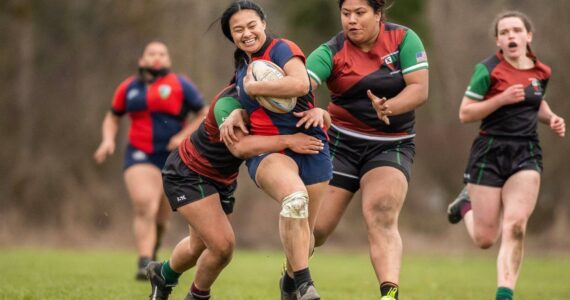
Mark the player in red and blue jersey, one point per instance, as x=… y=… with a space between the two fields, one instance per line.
x=199 y=180
x=506 y=93
x=377 y=75
x=158 y=103
x=289 y=178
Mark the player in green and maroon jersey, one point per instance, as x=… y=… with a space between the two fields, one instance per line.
x=377 y=75
x=506 y=93
x=200 y=179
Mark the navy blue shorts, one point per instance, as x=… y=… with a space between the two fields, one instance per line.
x=135 y=156
x=494 y=159
x=313 y=168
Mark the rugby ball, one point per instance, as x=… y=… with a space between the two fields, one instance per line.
x=264 y=70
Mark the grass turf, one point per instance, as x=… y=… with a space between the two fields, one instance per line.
x=65 y=274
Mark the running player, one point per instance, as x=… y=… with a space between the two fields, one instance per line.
x=506 y=93
x=377 y=75
x=296 y=181
x=199 y=180
x=158 y=103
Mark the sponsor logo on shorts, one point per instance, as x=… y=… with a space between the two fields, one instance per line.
x=466 y=176
x=139 y=155
x=181 y=198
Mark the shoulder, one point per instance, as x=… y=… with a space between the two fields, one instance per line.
x=336 y=42
x=286 y=45
x=544 y=70
x=491 y=62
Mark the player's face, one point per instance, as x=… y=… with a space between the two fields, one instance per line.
x=512 y=37
x=155 y=56
x=359 y=21
x=248 y=30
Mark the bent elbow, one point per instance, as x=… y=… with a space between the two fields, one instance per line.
x=302 y=88
x=464 y=118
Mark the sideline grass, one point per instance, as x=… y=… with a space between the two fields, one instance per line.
x=65 y=274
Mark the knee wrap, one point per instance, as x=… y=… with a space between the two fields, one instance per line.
x=295 y=206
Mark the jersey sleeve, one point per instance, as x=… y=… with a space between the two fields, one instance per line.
x=192 y=96
x=118 y=106
x=320 y=64
x=479 y=84
x=283 y=51
x=224 y=107
x=412 y=53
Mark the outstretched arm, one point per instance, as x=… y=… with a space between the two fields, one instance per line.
x=252 y=145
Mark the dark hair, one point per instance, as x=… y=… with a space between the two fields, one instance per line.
x=239 y=55
x=379 y=6
x=513 y=14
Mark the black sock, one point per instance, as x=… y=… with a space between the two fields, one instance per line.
x=302 y=276
x=388 y=288
x=199 y=294
x=143 y=261
x=159 y=233
x=288 y=283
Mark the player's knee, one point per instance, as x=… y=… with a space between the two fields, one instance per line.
x=224 y=250
x=295 y=206
x=516 y=230
x=484 y=241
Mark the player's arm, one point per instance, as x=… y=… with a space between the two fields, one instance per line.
x=109 y=130
x=188 y=129
x=295 y=83
x=253 y=145
x=414 y=66
x=555 y=122
x=475 y=110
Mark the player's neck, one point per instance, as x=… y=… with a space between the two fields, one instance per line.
x=522 y=62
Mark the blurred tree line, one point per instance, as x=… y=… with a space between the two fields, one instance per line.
x=62 y=59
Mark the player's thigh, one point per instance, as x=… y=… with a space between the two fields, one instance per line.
x=209 y=222
x=383 y=192
x=519 y=195
x=486 y=207
x=278 y=175
x=144 y=183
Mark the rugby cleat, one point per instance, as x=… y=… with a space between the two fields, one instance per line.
x=307 y=291
x=454 y=208
x=160 y=289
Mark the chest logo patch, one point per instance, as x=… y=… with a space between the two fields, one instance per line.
x=536 y=86
x=139 y=155
x=164 y=91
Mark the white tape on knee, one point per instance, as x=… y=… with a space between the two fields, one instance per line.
x=295 y=206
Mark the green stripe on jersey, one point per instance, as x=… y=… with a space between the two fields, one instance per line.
x=479 y=84
x=320 y=64
x=224 y=107
x=412 y=53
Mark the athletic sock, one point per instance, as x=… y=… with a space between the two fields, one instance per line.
x=199 y=294
x=504 y=293
x=143 y=261
x=465 y=208
x=301 y=277
x=288 y=283
x=170 y=276
x=388 y=288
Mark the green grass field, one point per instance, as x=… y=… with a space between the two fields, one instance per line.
x=64 y=274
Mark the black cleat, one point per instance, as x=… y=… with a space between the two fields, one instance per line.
x=141 y=272
x=454 y=208
x=307 y=291
x=160 y=289
x=284 y=294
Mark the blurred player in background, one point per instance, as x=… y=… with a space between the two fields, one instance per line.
x=158 y=103
x=506 y=93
